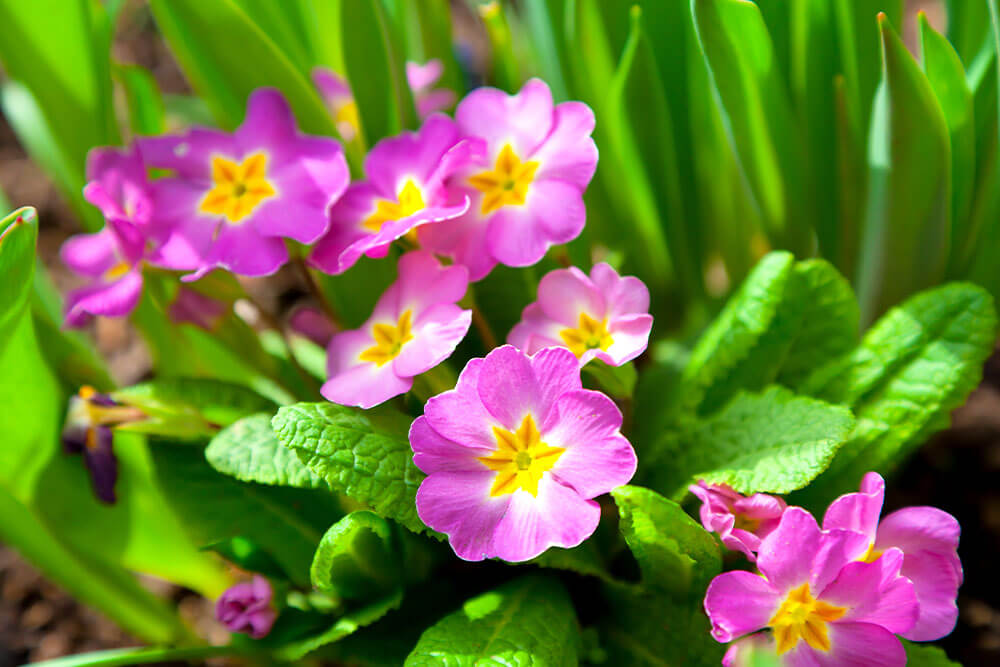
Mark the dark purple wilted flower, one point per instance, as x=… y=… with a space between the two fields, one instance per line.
x=246 y=607
x=88 y=431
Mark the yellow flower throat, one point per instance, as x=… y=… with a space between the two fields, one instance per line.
x=590 y=335
x=238 y=188
x=520 y=459
x=508 y=182
x=801 y=616
x=389 y=340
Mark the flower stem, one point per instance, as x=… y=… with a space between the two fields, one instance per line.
x=317 y=293
x=271 y=322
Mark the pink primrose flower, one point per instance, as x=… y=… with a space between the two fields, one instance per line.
x=246 y=607
x=741 y=521
x=233 y=199
x=928 y=539
x=823 y=607
x=527 y=191
x=403 y=190
x=337 y=94
x=516 y=453
x=415 y=326
x=600 y=316
x=192 y=307
x=421 y=79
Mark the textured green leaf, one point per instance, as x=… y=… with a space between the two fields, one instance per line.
x=916 y=365
x=758 y=113
x=357 y=558
x=922 y=655
x=906 y=237
x=368 y=461
x=286 y=523
x=342 y=627
x=772 y=442
x=675 y=554
x=527 y=622
x=947 y=78
x=249 y=451
x=585 y=559
x=190 y=407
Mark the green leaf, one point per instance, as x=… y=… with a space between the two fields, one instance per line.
x=917 y=364
x=343 y=627
x=18 y=234
x=375 y=69
x=947 y=78
x=190 y=407
x=366 y=458
x=226 y=55
x=146 y=112
x=585 y=559
x=286 y=523
x=358 y=558
x=529 y=621
x=249 y=451
x=757 y=112
x=907 y=229
x=922 y=655
x=675 y=554
x=772 y=442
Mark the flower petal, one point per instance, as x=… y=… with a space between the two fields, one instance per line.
x=875 y=593
x=625 y=295
x=553 y=213
x=90 y=254
x=738 y=603
x=433 y=453
x=115 y=299
x=459 y=414
x=365 y=385
x=858 y=511
x=522 y=120
x=564 y=294
x=460 y=505
x=437 y=332
x=851 y=645
x=936 y=585
x=915 y=529
x=568 y=153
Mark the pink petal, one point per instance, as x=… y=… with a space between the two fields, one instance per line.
x=346 y=216
x=556 y=373
x=738 y=603
x=345 y=348
x=553 y=213
x=535 y=330
x=786 y=555
x=564 y=294
x=936 y=585
x=189 y=154
x=507 y=387
x=851 y=645
x=459 y=414
x=268 y=123
x=858 y=511
x=568 y=153
x=557 y=517
x=597 y=457
x=425 y=282
x=410 y=155
x=625 y=295
x=464 y=240
x=435 y=100
x=433 y=453
x=115 y=299
x=875 y=593
x=459 y=504
x=630 y=336
x=421 y=76
x=437 y=332
x=523 y=120
x=90 y=254
x=240 y=249
x=365 y=385
x=915 y=529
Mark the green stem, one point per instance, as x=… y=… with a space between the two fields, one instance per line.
x=271 y=322
x=142 y=656
x=317 y=292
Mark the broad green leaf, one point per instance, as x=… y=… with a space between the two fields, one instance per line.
x=190 y=407
x=249 y=451
x=771 y=442
x=370 y=461
x=947 y=78
x=342 y=627
x=247 y=556
x=922 y=655
x=146 y=112
x=734 y=333
x=907 y=229
x=529 y=621
x=285 y=522
x=58 y=50
x=226 y=55
x=916 y=364
x=968 y=27
x=358 y=558
x=648 y=630
x=18 y=234
x=585 y=559
x=758 y=114
x=675 y=554
x=375 y=68
x=286 y=24
x=429 y=36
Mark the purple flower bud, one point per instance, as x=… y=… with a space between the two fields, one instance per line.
x=246 y=607
x=195 y=308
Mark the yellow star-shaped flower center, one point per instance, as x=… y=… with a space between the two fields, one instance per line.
x=508 y=182
x=389 y=340
x=801 y=616
x=409 y=201
x=591 y=334
x=520 y=459
x=238 y=187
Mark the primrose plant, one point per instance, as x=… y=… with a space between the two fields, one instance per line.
x=469 y=441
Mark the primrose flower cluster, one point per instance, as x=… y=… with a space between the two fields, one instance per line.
x=516 y=453
x=840 y=594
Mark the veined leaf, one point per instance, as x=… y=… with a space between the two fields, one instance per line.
x=921 y=655
x=675 y=554
x=342 y=627
x=249 y=451
x=916 y=365
x=906 y=237
x=372 y=463
x=358 y=558
x=529 y=621
x=772 y=442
